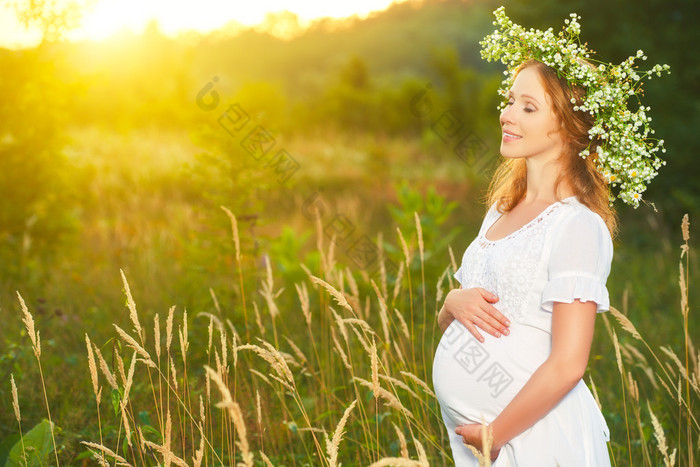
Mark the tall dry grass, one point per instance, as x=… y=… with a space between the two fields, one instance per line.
x=353 y=389
x=672 y=386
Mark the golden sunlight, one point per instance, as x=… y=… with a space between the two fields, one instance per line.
x=105 y=18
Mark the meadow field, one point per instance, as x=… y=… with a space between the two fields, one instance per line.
x=212 y=258
x=297 y=333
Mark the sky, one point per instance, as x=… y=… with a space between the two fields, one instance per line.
x=107 y=17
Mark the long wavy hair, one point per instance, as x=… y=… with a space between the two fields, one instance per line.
x=509 y=182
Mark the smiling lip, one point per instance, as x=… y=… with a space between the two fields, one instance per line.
x=509 y=137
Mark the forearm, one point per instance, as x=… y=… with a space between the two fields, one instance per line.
x=543 y=391
x=444 y=318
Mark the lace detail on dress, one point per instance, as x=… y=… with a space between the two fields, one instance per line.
x=485 y=242
x=507 y=266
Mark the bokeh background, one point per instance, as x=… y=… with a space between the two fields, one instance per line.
x=117 y=153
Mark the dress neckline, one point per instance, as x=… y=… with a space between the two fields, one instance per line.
x=537 y=218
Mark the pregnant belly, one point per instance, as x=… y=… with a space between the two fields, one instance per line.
x=475 y=380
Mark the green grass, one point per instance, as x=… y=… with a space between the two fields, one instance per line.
x=143 y=210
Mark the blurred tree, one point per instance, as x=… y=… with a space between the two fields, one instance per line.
x=242 y=162
x=52 y=18
x=350 y=101
x=134 y=81
x=355 y=74
x=34 y=179
x=283 y=24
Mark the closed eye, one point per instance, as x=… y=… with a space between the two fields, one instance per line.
x=526 y=109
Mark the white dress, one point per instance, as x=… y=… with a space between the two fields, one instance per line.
x=563 y=254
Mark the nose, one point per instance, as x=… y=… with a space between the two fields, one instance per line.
x=507 y=115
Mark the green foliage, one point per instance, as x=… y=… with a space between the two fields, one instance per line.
x=34 y=181
x=5 y=445
x=361 y=75
x=36 y=445
x=433 y=210
x=226 y=175
x=287 y=251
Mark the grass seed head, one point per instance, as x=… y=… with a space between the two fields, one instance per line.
x=234 y=231
x=132 y=307
x=374 y=360
x=156 y=334
x=333 y=444
x=173 y=374
x=15 y=398
x=28 y=321
x=404 y=247
x=106 y=450
x=92 y=366
x=303 y=294
x=111 y=379
x=131 y=342
x=258 y=407
x=402 y=441
x=625 y=323
x=419 y=230
x=399 y=280
x=334 y=293
x=383 y=315
x=659 y=435
x=184 y=337
x=169 y=329
x=395 y=462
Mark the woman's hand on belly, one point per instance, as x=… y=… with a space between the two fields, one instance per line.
x=473 y=308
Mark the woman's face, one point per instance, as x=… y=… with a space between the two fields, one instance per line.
x=529 y=126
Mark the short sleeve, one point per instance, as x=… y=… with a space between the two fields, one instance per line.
x=459 y=274
x=579 y=262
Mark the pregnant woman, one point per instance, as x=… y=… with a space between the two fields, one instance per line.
x=517 y=334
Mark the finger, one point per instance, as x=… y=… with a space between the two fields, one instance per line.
x=493 y=324
x=494 y=313
x=472 y=329
x=488 y=296
x=485 y=325
x=479 y=323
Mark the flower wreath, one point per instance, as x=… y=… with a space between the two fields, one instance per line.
x=626 y=155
